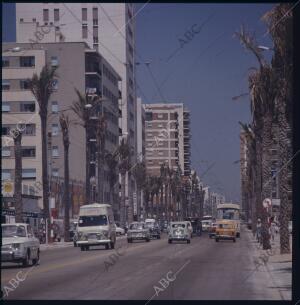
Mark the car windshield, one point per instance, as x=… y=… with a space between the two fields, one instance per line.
x=150 y=224
x=178 y=225
x=88 y=221
x=13 y=231
x=137 y=226
x=225 y=226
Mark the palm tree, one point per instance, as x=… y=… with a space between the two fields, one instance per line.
x=42 y=87
x=65 y=124
x=100 y=135
x=282 y=61
x=18 y=177
x=124 y=166
x=82 y=107
x=139 y=173
x=261 y=85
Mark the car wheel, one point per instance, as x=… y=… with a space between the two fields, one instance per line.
x=87 y=248
x=129 y=240
x=37 y=259
x=188 y=241
x=234 y=240
x=158 y=237
x=107 y=246
x=82 y=248
x=26 y=260
x=217 y=239
x=170 y=241
x=75 y=244
x=147 y=240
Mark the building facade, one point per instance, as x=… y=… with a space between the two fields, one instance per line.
x=106 y=27
x=167 y=139
x=92 y=74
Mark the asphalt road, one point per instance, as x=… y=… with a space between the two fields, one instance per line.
x=203 y=270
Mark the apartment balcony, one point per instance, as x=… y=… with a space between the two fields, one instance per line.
x=93 y=91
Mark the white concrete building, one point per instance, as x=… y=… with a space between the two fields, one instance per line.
x=107 y=27
x=167 y=137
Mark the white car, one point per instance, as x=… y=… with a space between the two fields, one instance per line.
x=19 y=245
x=119 y=230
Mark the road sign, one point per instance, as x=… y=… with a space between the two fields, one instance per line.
x=276 y=202
x=7 y=188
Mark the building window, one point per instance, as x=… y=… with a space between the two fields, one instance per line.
x=33 y=19
x=5 y=85
x=5 y=62
x=54 y=106
x=55 y=129
x=55 y=172
x=54 y=61
x=5 y=107
x=29 y=130
x=27 y=61
x=45 y=15
x=55 y=153
x=28 y=152
x=21 y=20
x=56 y=14
x=6 y=174
x=6 y=152
x=84 y=14
x=27 y=107
x=5 y=130
x=84 y=31
x=24 y=84
x=95 y=16
x=148 y=116
x=29 y=173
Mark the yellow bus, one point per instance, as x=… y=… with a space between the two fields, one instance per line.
x=230 y=211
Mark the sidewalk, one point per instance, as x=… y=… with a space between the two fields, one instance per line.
x=62 y=244
x=279 y=266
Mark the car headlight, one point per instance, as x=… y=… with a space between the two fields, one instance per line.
x=105 y=233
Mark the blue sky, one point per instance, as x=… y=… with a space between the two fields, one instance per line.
x=204 y=74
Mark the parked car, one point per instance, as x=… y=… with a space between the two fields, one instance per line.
x=19 y=245
x=138 y=231
x=225 y=229
x=180 y=231
x=154 y=228
x=119 y=230
x=212 y=230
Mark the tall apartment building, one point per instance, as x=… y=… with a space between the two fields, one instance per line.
x=167 y=137
x=140 y=130
x=18 y=108
x=106 y=27
x=78 y=67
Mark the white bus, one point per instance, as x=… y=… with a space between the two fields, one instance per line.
x=230 y=211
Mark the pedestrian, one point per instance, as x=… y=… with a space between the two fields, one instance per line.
x=258 y=230
x=272 y=230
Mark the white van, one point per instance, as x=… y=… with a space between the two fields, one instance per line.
x=96 y=226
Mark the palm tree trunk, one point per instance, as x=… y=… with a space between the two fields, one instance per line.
x=66 y=192
x=45 y=172
x=266 y=172
x=122 y=205
x=18 y=178
x=284 y=155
